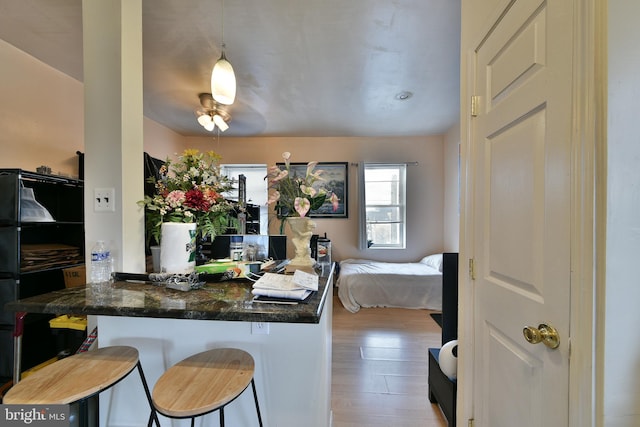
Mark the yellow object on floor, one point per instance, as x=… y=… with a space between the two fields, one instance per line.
x=79 y=323
x=38 y=367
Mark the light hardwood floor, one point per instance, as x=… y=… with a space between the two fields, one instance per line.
x=380 y=367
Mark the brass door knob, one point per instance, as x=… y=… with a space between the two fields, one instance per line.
x=546 y=334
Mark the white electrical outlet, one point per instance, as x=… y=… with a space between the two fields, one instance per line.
x=260 y=328
x=104 y=200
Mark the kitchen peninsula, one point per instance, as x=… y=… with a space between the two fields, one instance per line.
x=291 y=344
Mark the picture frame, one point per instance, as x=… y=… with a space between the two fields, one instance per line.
x=336 y=180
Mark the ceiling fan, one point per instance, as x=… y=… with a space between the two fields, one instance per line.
x=212 y=113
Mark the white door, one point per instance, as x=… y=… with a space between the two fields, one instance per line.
x=521 y=228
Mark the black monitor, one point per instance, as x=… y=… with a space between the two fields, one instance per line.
x=277 y=247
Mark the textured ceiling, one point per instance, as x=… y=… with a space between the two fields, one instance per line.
x=303 y=67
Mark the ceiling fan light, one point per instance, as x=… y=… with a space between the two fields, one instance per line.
x=223 y=82
x=204 y=119
x=210 y=126
x=219 y=121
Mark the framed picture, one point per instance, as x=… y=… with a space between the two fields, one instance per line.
x=336 y=180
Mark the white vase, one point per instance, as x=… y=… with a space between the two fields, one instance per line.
x=302 y=229
x=178 y=247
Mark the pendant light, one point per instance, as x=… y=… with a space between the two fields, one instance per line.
x=223 y=80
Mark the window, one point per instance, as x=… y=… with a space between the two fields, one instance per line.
x=384 y=222
x=256 y=188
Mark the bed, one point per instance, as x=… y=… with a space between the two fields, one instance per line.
x=366 y=283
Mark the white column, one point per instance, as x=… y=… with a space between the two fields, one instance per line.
x=112 y=36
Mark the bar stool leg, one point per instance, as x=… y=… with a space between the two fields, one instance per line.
x=83 y=412
x=255 y=399
x=154 y=415
x=222 y=417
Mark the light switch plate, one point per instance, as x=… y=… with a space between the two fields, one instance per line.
x=104 y=200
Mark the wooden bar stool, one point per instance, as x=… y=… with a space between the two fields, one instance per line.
x=78 y=377
x=204 y=383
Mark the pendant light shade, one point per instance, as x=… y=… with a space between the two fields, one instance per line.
x=219 y=121
x=204 y=119
x=223 y=82
x=210 y=126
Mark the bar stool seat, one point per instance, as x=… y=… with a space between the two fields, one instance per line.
x=77 y=377
x=203 y=383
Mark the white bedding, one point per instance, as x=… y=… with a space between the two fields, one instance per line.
x=366 y=283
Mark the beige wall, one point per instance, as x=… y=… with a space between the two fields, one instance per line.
x=42 y=117
x=425 y=191
x=41 y=114
x=42 y=121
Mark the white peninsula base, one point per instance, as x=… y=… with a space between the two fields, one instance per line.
x=293 y=368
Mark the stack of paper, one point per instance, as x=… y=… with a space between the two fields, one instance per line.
x=297 y=286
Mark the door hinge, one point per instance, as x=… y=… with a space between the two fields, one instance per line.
x=470 y=423
x=472 y=269
x=475 y=101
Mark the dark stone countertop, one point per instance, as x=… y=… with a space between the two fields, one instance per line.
x=228 y=300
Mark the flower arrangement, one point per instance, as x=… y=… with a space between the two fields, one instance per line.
x=296 y=195
x=190 y=190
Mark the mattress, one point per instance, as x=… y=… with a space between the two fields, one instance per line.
x=367 y=283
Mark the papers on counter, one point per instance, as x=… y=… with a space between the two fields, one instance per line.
x=297 y=286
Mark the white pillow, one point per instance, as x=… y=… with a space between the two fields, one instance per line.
x=433 y=261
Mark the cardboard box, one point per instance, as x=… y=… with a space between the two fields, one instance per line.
x=75 y=276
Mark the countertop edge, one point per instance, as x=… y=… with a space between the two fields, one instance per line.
x=58 y=304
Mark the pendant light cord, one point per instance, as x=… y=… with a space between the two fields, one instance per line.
x=222 y=28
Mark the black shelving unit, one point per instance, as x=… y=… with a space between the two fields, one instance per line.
x=63 y=198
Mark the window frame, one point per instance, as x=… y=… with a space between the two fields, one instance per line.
x=401 y=206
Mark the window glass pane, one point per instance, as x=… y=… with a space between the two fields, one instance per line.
x=384 y=187
x=382 y=194
x=384 y=234
x=383 y=214
x=256 y=184
x=256 y=188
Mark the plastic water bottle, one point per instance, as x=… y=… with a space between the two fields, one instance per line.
x=235 y=248
x=100 y=264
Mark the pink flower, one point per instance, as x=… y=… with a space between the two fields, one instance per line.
x=308 y=190
x=272 y=172
x=310 y=167
x=317 y=175
x=274 y=196
x=302 y=206
x=334 y=201
x=286 y=156
x=175 y=198
x=283 y=174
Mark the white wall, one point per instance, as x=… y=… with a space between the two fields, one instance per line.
x=621 y=398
